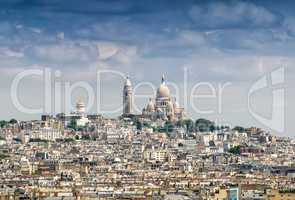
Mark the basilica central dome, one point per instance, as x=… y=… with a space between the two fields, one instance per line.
x=163 y=91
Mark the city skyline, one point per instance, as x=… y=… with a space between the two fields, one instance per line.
x=147 y=99
x=145 y=40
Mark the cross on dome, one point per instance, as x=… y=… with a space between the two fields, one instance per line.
x=163 y=79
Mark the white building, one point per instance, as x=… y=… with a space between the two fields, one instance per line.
x=163 y=106
x=80 y=114
x=46 y=133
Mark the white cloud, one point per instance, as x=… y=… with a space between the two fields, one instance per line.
x=118 y=52
x=235 y=14
x=192 y=38
x=106 y=50
x=289 y=24
x=61 y=35
x=36 y=30
x=6 y=52
x=63 y=52
x=12 y=71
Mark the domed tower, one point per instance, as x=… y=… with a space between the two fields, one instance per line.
x=127 y=97
x=80 y=107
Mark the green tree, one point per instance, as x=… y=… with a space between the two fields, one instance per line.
x=86 y=137
x=204 y=125
x=168 y=126
x=13 y=121
x=235 y=150
x=138 y=125
x=73 y=124
x=180 y=123
x=212 y=127
x=155 y=129
x=3 y=123
x=189 y=125
x=240 y=129
x=147 y=125
x=69 y=140
x=77 y=137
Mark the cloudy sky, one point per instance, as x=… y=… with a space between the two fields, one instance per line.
x=217 y=42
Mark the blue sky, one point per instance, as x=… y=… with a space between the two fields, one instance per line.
x=217 y=41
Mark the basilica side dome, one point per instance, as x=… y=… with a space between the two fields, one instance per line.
x=150 y=106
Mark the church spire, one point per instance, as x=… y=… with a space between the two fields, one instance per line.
x=127 y=81
x=163 y=79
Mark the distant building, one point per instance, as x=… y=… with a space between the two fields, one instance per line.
x=127 y=97
x=233 y=193
x=281 y=194
x=79 y=115
x=80 y=108
x=164 y=107
x=46 y=133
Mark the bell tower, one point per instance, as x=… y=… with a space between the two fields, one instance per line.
x=127 y=97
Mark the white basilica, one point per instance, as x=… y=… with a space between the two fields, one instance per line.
x=162 y=107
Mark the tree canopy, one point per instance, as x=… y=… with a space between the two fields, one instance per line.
x=3 y=123
x=235 y=150
x=73 y=124
x=13 y=121
x=239 y=129
x=204 y=125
